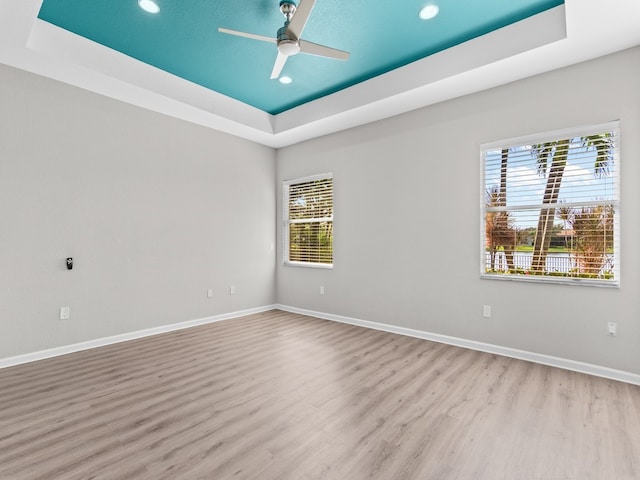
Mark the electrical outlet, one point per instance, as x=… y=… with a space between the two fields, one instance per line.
x=65 y=313
x=321 y=289
x=612 y=329
x=210 y=293
x=486 y=311
x=232 y=290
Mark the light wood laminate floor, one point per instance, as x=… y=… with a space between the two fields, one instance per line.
x=279 y=396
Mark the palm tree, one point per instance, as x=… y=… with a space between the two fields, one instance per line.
x=566 y=214
x=594 y=236
x=491 y=200
x=508 y=233
x=499 y=230
x=552 y=160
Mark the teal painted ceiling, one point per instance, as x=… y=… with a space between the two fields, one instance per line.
x=183 y=39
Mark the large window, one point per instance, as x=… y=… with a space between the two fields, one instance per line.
x=550 y=207
x=308 y=213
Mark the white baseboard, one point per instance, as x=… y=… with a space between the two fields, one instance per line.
x=564 y=363
x=101 y=342
x=567 y=364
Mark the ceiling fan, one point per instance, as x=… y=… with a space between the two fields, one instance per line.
x=288 y=38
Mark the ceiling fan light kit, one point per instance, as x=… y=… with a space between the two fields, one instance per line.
x=288 y=39
x=288 y=47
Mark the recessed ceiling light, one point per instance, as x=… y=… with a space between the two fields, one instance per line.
x=429 y=11
x=149 y=6
x=285 y=80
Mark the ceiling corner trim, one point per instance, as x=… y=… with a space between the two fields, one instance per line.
x=102 y=70
x=539 y=30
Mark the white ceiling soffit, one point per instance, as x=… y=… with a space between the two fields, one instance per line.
x=578 y=31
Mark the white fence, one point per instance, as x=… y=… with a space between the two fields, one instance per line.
x=556 y=262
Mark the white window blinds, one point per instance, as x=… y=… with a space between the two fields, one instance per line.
x=309 y=220
x=550 y=207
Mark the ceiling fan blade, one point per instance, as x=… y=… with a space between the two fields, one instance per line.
x=253 y=36
x=300 y=18
x=311 y=48
x=278 y=66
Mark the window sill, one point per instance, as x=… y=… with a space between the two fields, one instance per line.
x=309 y=265
x=582 y=282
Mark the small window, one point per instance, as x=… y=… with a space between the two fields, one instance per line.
x=550 y=207
x=308 y=213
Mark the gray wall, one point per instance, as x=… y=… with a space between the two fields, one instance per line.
x=407 y=222
x=154 y=211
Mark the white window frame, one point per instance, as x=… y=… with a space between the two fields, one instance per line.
x=539 y=138
x=286 y=222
